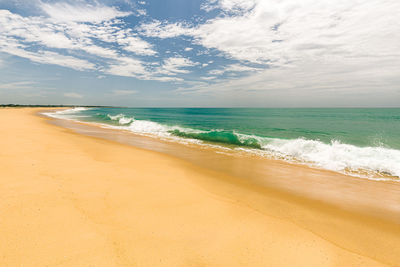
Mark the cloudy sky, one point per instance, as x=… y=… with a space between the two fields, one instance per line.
x=254 y=53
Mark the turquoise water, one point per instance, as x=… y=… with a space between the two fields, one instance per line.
x=343 y=139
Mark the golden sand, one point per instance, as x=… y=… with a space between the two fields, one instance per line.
x=72 y=200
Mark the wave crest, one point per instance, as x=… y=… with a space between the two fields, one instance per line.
x=225 y=137
x=121 y=118
x=337 y=156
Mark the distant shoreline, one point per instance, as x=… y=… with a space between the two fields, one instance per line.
x=50 y=106
x=100 y=106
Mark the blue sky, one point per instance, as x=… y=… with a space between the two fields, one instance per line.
x=254 y=53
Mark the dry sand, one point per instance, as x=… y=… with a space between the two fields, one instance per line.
x=72 y=200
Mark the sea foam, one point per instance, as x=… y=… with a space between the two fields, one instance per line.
x=336 y=156
x=69 y=114
x=121 y=119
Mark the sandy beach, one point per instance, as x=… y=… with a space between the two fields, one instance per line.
x=73 y=200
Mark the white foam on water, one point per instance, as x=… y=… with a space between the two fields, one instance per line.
x=121 y=118
x=69 y=114
x=337 y=156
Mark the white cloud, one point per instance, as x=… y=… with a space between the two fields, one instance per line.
x=17 y=85
x=333 y=85
x=164 y=30
x=137 y=46
x=172 y=66
x=167 y=79
x=280 y=32
x=73 y=30
x=124 y=92
x=98 y=51
x=128 y=67
x=19 y=33
x=234 y=68
x=141 y=12
x=20 y=36
x=48 y=57
x=72 y=35
x=306 y=44
x=233 y=6
x=175 y=65
x=209 y=78
x=64 y=12
x=296 y=39
x=32 y=30
x=216 y=72
x=73 y=95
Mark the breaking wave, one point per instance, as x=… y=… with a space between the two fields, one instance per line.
x=120 y=118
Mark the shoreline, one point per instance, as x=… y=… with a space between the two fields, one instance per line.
x=123 y=205
x=329 y=187
x=227 y=147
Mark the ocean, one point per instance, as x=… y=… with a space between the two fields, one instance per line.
x=363 y=142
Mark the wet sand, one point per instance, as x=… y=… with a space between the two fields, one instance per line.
x=69 y=199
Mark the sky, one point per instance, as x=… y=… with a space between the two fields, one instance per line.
x=201 y=53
